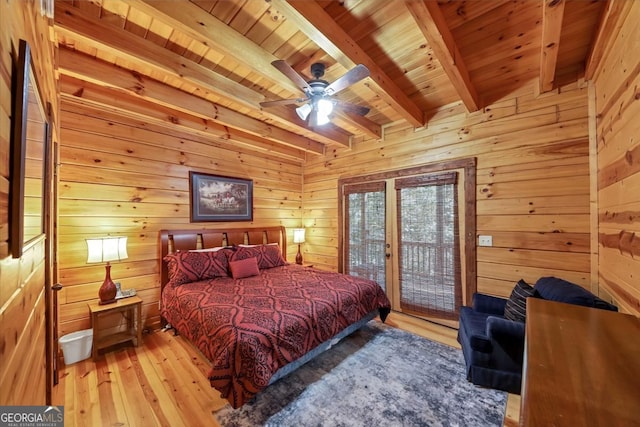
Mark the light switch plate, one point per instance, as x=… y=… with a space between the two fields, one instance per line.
x=485 y=240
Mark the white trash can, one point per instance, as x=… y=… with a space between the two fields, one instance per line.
x=76 y=346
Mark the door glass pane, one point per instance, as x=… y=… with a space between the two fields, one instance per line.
x=366 y=235
x=429 y=267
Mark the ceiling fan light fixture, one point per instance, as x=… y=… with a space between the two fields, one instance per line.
x=303 y=111
x=319 y=93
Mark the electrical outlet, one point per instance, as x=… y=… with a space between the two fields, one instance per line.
x=485 y=240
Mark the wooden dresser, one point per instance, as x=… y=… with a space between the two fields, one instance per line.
x=581 y=367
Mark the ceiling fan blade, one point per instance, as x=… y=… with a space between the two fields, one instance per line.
x=351 y=108
x=282 y=102
x=293 y=75
x=352 y=76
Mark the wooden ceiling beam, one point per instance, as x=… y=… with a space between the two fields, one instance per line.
x=99 y=72
x=611 y=21
x=552 y=14
x=82 y=92
x=190 y=19
x=73 y=22
x=365 y=125
x=431 y=21
x=318 y=25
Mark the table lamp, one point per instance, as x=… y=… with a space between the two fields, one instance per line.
x=298 y=237
x=106 y=249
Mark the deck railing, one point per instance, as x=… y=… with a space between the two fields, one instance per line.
x=427 y=276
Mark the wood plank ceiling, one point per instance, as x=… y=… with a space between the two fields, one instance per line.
x=206 y=65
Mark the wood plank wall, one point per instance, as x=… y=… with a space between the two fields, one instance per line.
x=22 y=281
x=533 y=189
x=532 y=183
x=127 y=177
x=617 y=99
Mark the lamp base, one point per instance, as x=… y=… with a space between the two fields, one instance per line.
x=299 y=257
x=108 y=290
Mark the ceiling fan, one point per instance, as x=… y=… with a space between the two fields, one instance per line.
x=319 y=101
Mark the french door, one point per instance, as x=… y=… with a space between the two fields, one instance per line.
x=406 y=230
x=366 y=246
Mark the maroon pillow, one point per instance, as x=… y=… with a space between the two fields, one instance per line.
x=244 y=268
x=268 y=256
x=185 y=267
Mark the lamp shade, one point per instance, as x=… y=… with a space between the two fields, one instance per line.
x=322 y=119
x=105 y=249
x=325 y=107
x=303 y=111
x=298 y=235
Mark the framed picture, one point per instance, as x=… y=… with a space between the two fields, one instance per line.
x=220 y=198
x=30 y=146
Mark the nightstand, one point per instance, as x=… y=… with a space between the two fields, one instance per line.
x=131 y=308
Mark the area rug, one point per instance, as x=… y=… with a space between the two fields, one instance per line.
x=378 y=376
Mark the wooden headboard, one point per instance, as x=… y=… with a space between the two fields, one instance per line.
x=182 y=240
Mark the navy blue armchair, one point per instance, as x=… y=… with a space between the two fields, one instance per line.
x=493 y=346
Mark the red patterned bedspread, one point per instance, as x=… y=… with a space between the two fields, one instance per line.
x=249 y=328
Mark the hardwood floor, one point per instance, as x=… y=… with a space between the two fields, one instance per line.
x=164 y=383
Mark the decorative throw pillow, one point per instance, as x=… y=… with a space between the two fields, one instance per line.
x=556 y=289
x=185 y=267
x=244 y=268
x=268 y=256
x=516 y=308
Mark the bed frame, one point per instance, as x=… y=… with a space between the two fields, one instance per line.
x=179 y=240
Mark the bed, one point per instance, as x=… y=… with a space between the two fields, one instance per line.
x=254 y=316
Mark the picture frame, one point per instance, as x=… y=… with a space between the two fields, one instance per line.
x=220 y=198
x=30 y=144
